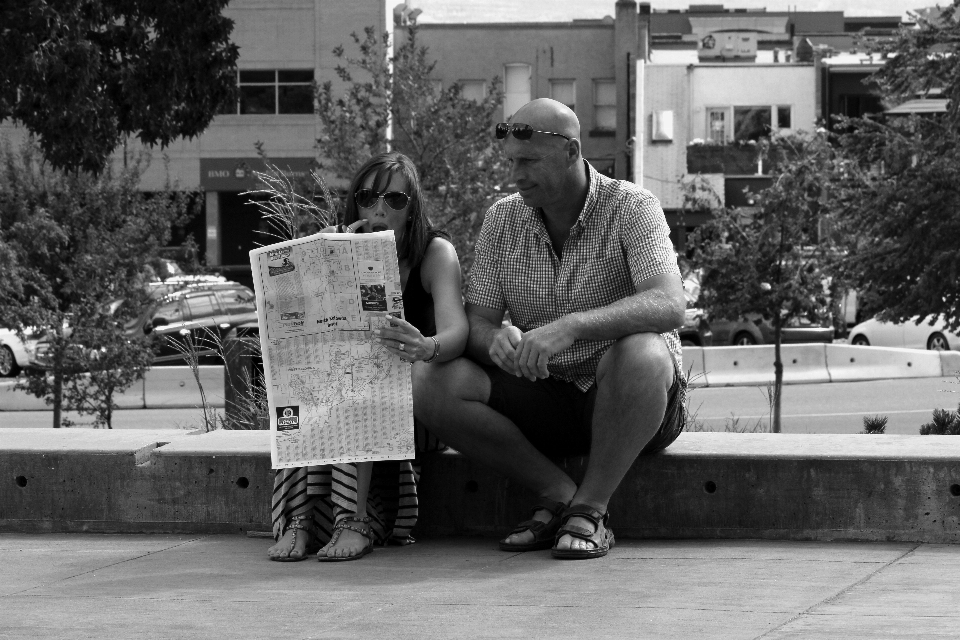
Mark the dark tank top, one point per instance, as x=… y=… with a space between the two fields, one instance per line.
x=418 y=304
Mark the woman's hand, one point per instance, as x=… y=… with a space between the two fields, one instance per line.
x=350 y=228
x=405 y=340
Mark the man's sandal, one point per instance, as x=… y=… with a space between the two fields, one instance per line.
x=543 y=532
x=601 y=537
x=353 y=523
x=297 y=524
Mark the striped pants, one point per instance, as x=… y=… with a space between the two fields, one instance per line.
x=329 y=492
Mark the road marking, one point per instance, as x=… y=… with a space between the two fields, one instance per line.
x=817 y=415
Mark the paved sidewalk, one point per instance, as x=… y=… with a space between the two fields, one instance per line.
x=170 y=586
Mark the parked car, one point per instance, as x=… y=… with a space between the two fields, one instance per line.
x=755 y=329
x=695 y=331
x=170 y=272
x=16 y=354
x=909 y=334
x=194 y=310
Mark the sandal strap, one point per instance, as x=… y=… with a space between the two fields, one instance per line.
x=302 y=522
x=555 y=508
x=585 y=511
x=364 y=529
x=534 y=526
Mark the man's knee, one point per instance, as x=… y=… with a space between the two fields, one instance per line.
x=638 y=357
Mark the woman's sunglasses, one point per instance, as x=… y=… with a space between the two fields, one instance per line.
x=521 y=131
x=367 y=199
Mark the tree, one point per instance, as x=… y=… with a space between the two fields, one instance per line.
x=448 y=137
x=83 y=74
x=774 y=259
x=897 y=191
x=73 y=246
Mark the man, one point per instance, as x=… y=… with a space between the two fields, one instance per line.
x=590 y=363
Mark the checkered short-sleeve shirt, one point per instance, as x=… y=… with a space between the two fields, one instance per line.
x=620 y=239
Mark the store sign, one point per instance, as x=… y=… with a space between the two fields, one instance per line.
x=239 y=174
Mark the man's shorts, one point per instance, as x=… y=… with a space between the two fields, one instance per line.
x=556 y=416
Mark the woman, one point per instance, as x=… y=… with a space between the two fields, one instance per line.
x=350 y=506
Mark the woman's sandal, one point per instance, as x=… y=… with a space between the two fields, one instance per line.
x=544 y=533
x=601 y=537
x=348 y=522
x=297 y=523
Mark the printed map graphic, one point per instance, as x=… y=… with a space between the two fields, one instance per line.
x=341 y=396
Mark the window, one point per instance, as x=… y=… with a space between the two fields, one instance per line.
x=605 y=105
x=236 y=301
x=202 y=306
x=783 y=117
x=274 y=91
x=516 y=87
x=564 y=91
x=717 y=125
x=475 y=90
x=751 y=123
x=168 y=313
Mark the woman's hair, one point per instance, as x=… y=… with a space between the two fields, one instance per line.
x=384 y=166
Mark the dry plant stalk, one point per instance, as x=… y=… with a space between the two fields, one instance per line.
x=288 y=211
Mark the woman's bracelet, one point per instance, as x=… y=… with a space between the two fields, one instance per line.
x=436 y=349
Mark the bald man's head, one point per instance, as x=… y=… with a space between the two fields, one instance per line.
x=549 y=115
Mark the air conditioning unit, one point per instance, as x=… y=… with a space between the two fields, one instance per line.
x=661 y=129
x=728 y=46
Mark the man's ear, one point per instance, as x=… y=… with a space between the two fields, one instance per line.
x=573 y=150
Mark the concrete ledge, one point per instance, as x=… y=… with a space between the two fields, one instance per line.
x=706 y=485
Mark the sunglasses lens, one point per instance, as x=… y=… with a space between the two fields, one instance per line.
x=366 y=198
x=522 y=131
x=502 y=130
x=396 y=200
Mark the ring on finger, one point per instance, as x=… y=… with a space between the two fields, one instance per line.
x=402 y=346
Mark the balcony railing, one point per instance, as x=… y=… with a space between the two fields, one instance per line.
x=730 y=159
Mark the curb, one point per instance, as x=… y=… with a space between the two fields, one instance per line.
x=705 y=485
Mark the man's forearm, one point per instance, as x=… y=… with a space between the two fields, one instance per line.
x=648 y=311
x=482 y=333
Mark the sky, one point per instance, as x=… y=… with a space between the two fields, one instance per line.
x=566 y=10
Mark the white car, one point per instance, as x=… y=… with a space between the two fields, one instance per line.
x=908 y=335
x=15 y=354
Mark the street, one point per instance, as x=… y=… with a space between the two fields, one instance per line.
x=813 y=408
x=837 y=407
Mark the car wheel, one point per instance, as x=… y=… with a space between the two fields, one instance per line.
x=744 y=339
x=8 y=365
x=938 y=342
x=860 y=341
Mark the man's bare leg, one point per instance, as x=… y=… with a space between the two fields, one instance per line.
x=633 y=380
x=451 y=399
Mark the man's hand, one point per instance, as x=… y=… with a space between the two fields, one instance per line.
x=503 y=349
x=536 y=347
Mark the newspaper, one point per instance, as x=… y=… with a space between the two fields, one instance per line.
x=334 y=394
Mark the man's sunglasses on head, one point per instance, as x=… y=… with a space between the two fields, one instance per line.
x=522 y=131
x=367 y=199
